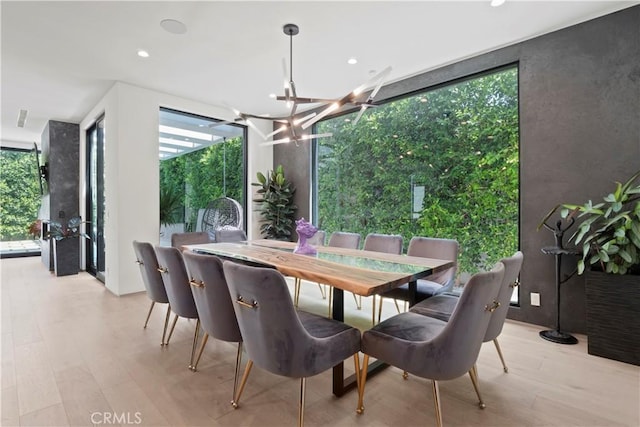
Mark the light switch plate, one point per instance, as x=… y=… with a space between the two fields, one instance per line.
x=535 y=299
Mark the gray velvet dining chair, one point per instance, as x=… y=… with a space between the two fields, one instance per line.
x=434 y=284
x=316 y=240
x=230 y=235
x=441 y=306
x=431 y=348
x=386 y=243
x=215 y=308
x=176 y=282
x=178 y=240
x=280 y=339
x=346 y=240
x=146 y=259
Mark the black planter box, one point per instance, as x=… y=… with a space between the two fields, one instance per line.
x=66 y=256
x=613 y=316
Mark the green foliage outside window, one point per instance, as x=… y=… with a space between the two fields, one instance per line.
x=459 y=143
x=199 y=177
x=19 y=194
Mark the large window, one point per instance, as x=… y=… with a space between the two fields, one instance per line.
x=201 y=159
x=441 y=163
x=20 y=194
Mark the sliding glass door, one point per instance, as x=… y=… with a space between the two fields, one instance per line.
x=95 y=248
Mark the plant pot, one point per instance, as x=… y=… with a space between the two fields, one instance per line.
x=66 y=256
x=613 y=323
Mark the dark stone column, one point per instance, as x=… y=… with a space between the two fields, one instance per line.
x=61 y=201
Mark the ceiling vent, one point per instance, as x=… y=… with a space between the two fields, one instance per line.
x=22 y=118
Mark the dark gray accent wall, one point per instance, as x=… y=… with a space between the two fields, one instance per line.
x=297 y=168
x=579 y=133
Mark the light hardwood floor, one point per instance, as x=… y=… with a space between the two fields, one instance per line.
x=74 y=354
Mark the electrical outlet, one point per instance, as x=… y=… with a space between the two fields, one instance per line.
x=535 y=299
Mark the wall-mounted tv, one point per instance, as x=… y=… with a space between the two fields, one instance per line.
x=42 y=171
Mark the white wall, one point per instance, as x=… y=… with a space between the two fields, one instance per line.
x=132 y=175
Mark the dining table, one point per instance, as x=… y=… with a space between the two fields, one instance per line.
x=361 y=272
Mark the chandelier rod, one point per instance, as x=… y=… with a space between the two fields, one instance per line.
x=291 y=30
x=290 y=56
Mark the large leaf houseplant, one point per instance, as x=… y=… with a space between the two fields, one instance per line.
x=608 y=233
x=608 y=239
x=275 y=196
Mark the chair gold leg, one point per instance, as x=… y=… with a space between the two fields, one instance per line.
x=380 y=309
x=303 y=383
x=194 y=345
x=504 y=365
x=330 y=300
x=322 y=292
x=358 y=303
x=204 y=342
x=173 y=325
x=395 y=301
x=473 y=374
x=166 y=323
x=235 y=402
x=436 y=400
x=149 y=314
x=356 y=365
x=363 y=380
x=296 y=291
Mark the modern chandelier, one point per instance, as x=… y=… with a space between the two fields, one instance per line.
x=292 y=127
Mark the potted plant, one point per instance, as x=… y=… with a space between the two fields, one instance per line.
x=170 y=205
x=66 y=247
x=35 y=229
x=277 y=208
x=608 y=239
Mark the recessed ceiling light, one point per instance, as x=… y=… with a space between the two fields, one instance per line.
x=352 y=61
x=173 y=26
x=496 y=3
x=272 y=95
x=143 y=53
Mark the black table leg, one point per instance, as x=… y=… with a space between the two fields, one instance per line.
x=341 y=385
x=413 y=290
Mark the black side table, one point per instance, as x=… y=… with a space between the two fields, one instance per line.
x=556 y=335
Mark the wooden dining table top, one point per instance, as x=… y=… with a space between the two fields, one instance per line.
x=361 y=272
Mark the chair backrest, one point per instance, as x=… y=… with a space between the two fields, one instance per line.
x=273 y=335
x=191 y=238
x=176 y=282
x=460 y=340
x=387 y=243
x=211 y=295
x=318 y=238
x=228 y=235
x=222 y=213
x=431 y=247
x=343 y=239
x=146 y=258
x=512 y=267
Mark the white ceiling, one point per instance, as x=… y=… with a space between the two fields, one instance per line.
x=60 y=58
